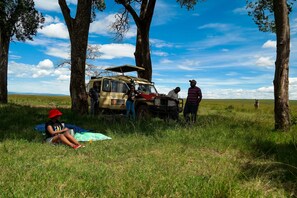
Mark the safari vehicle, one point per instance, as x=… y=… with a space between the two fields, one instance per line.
x=113 y=87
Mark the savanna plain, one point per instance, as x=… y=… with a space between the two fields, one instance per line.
x=231 y=151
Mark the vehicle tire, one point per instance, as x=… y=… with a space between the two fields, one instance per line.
x=143 y=112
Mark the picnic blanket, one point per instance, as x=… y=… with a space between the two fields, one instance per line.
x=89 y=136
x=81 y=134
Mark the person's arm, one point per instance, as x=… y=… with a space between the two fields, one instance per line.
x=52 y=132
x=199 y=95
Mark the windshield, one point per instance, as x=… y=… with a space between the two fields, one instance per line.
x=145 y=88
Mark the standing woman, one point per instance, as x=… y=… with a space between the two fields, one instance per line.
x=130 y=108
x=55 y=132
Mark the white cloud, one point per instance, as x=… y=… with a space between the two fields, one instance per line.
x=111 y=51
x=265 y=61
x=159 y=53
x=166 y=61
x=241 y=11
x=160 y=43
x=51 y=5
x=57 y=30
x=64 y=77
x=47 y=5
x=103 y=27
x=217 y=26
x=45 y=64
x=49 y=19
x=61 y=51
x=269 y=44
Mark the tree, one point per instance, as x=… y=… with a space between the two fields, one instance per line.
x=18 y=20
x=278 y=22
x=93 y=52
x=78 y=28
x=143 y=22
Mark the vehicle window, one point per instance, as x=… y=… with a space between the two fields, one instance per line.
x=119 y=87
x=106 y=85
x=145 y=88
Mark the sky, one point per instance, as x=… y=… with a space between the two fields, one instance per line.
x=216 y=43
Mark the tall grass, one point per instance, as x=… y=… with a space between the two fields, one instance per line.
x=232 y=151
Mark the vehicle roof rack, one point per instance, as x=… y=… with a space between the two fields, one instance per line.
x=125 y=68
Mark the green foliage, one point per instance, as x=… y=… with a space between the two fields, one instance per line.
x=19 y=18
x=232 y=151
x=189 y=4
x=263 y=14
x=97 y=5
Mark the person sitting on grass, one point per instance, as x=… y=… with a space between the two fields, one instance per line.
x=56 y=133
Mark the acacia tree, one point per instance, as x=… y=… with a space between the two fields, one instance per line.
x=273 y=15
x=142 y=19
x=18 y=20
x=78 y=28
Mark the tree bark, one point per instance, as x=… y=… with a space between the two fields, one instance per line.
x=78 y=31
x=143 y=54
x=143 y=22
x=4 y=48
x=281 y=77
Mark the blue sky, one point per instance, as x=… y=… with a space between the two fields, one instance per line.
x=217 y=44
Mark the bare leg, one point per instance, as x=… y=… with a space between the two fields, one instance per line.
x=65 y=140
x=70 y=138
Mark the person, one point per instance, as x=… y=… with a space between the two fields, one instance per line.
x=192 y=104
x=93 y=93
x=130 y=108
x=56 y=133
x=173 y=104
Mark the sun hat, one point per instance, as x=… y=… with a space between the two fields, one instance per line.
x=54 y=113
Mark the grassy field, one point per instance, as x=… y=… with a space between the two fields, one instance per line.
x=232 y=151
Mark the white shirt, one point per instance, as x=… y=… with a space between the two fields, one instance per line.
x=174 y=96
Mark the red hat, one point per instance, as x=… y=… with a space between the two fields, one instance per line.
x=53 y=113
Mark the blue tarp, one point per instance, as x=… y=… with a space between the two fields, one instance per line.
x=76 y=129
x=80 y=133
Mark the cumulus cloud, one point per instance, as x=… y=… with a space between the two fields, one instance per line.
x=50 y=19
x=269 y=44
x=57 y=30
x=111 y=51
x=47 y=5
x=45 y=64
x=50 y=5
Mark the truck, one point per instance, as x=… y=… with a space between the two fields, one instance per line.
x=148 y=103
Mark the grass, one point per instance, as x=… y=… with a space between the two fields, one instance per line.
x=232 y=151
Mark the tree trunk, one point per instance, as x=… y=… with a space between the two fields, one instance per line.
x=281 y=77
x=143 y=54
x=4 y=48
x=79 y=31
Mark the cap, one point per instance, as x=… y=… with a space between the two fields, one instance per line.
x=192 y=81
x=53 y=113
x=177 y=89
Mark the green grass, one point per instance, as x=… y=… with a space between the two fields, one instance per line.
x=232 y=151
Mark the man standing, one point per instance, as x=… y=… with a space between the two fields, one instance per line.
x=173 y=104
x=93 y=93
x=192 y=103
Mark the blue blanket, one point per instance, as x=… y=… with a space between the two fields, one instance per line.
x=80 y=133
x=76 y=129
